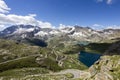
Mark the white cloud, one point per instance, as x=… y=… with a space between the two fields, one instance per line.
x=3 y=7
x=107 y=1
x=98 y=26
x=61 y=26
x=13 y=19
x=113 y=27
x=44 y=24
x=101 y=27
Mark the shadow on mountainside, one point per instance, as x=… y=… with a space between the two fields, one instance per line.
x=104 y=48
x=37 y=42
x=114 y=49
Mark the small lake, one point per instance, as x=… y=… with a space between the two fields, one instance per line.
x=88 y=58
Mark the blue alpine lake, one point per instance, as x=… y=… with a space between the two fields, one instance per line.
x=88 y=58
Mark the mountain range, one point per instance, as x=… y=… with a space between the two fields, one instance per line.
x=76 y=32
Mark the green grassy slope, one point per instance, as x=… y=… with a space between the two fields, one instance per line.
x=16 y=55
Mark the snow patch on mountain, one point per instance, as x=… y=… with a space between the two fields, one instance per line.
x=23 y=30
x=54 y=32
x=67 y=29
x=41 y=33
x=79 y=34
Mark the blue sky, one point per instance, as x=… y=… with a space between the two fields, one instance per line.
x=93 y=13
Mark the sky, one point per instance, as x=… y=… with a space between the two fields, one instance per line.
x=97 y=14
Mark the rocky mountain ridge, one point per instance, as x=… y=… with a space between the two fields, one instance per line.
x=76 y=32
